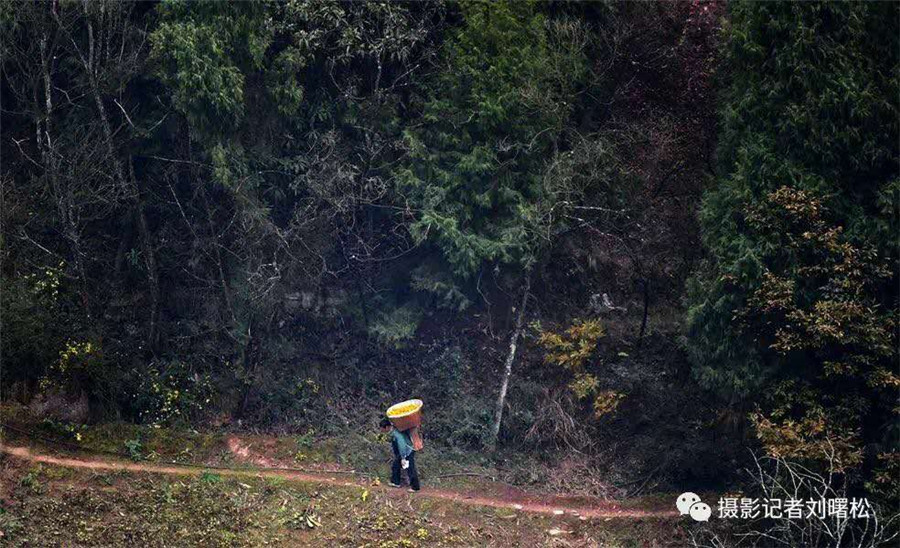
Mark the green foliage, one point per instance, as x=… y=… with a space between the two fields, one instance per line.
x=210 y=478
x=71 y=433
x=203 y=50
x=169 y=391
x=10 y=524
x=395 y=326
x=456 y=414
x=32 y=481
x=30 y=329
x=135 y=449
x=463 y=423
x=82 y=370
x=803 y=133
x=255 y=209
x=237 y=155
x=476 y=158
x=799 y=288
x=305 y=441
x=440 y=286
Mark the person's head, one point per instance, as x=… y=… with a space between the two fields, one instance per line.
x=385 y=424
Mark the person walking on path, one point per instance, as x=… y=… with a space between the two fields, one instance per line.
x=404 y=457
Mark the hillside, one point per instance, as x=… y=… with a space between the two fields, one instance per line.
x=622 y=252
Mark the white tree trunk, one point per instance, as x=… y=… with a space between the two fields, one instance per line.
x=510 y=359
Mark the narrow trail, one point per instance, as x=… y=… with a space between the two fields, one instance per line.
x=548 y=505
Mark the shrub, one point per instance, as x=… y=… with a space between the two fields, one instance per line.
x=572 y=350
x=169 y=391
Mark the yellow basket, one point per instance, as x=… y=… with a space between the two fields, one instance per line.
x=406 y=414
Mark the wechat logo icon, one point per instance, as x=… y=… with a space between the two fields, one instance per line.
x=690 y=504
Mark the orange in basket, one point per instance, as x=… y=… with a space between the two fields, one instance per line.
x=407 y=415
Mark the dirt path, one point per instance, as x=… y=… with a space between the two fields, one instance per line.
x=514 y=501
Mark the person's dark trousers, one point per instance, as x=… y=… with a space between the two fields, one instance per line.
x=412 y=472
x=396 y=471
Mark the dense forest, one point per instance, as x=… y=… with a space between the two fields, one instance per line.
x=646 y=244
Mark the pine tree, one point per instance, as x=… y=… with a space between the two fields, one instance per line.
x=475 y=160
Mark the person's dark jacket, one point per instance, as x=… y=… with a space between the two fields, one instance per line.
x=401 y=444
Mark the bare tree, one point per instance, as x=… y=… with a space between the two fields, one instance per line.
x=776 y=478
x=510 y=359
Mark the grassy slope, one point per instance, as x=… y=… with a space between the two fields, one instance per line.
x=366 y=453
x=49 y=506
x=45 y=505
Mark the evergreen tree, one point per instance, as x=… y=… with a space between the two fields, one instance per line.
x=488 y=124
x=491 y=120
x=798 y=295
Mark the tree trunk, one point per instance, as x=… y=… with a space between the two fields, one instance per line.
x=149 y=261
x=510 y=358
x=63 y=190
x=128 y=185
x=646 y=306
x=248 y=357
